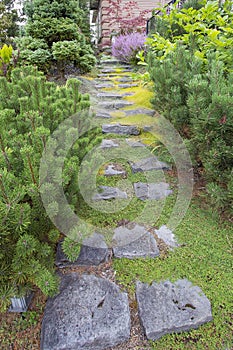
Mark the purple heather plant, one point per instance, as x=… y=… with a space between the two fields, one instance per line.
x=126 y=46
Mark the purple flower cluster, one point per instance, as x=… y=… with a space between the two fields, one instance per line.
x=125 y=47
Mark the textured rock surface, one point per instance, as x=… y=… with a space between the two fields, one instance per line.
x=166 y=307
x=94 y=251
x=151 y=163
x=133 y=143
x=109 y=144
x=134 y=243
x=111 y=171
x=109 y=95
x=103 y=114
x=167 y=236
x=120 y=129
x=104 y=86
x=109 y=193
x=145 y=111
x=114 y=104
x=89 y=313
x=151 y=190
x=127 y=86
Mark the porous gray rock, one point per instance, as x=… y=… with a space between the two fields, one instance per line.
x=120 y=129
x=147 y=164
x=151 y=191
x=109 y=144
x=89 y=313
x=171 y=307
x=134 y=243
x=167 y=236
x=112 y=171
x=114 y=104
x=145 y=111
x=109 y=193
x=94 y=251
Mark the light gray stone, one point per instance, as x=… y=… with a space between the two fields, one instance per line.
x=167 y=236
x=94 y=251
x=89 y=313
x=166 y=307
x=110 y=171
x=103 y=114
x=120 y=129
x=109 y=96
x=151 y=191
x=145 y=111
x=127 y=86
x=109 y=193
x=114 y=104
x=109 y=144
x=134 y=243
x=147 y=164
x=104 y=86
x=133 y=143
x=124 y=79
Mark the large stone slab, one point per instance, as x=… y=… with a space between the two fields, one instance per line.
x=120 y=129
x=134 y=243
x=171 y=307
x=136 y=111
x=103 y=114
x=104 y=86
x=124 y=79
x=127 y=86
x=114 y=104
x=94 y=251
x=109 y=193
x=89 y=313
x=109 y=96
x=147 y=164
x=152 y=191
x=167 y=236
x=109 y=144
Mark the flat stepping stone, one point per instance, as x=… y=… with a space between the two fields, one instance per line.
x=104 y=86
x=112 y=171
x=94 y=251
x=171 y=307
x=109 y=144
x=103 y=114
x=134 y=243
x=147 y=164
x=89 y=313
x=112 y=75
x=109 y=193
x=109 y=95
x=124 y=79
x=167 y=236
x=120 y=129
x=133 y=143
x=115 y=70
x=136 y=111
x=114 y=104
x=151 y=191
x=127 y=86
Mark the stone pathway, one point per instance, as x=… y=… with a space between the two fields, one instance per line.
x=91 y=311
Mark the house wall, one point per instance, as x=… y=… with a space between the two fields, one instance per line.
x=104 y=17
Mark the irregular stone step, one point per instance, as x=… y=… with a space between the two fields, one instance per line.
x=147 y=164
x=104 y=86
x=89 y=313
x=112 y=75
x=103 y=114
x=109 y=144
x=109 y=193
x=120 y=129
x=94 y=252
x=129 y=246
x=136 y=111
x=112 y=171
x=171 y=307
x=116 y=70
x=133 y=143
x=167 y=236
x=114 y=104
x=124 y=79
x=151 y=191
x=127 y=86
x=110 y=95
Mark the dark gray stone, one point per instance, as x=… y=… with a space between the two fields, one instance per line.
x=134 y=243
x=114 y=104
x=109 y=144
x=145 y=111
x=166 y=307
x=89 y=313
x=94 y=252
x=111 y=171
x=151 y=191
x=109 y=193
x=167 y=236
x=147 y=164
x=124 y=79
x=120 y=129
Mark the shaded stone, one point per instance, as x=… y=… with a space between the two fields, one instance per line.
x=166 y=307
x=133 y=143
x=122 y=69
x=167 y=236
x=127 y=86
x=145 y=111
x=147 y=164
x=151 y=191
x=89 y=313
x=124 y=79
x=114 y=104
x=111 y=171
x=109 y=144
x=94 y=251
x=111 y=75
x=103 y=114
x=109 y=193
x=109 y=95
x=120 y=129
x=134 y=243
